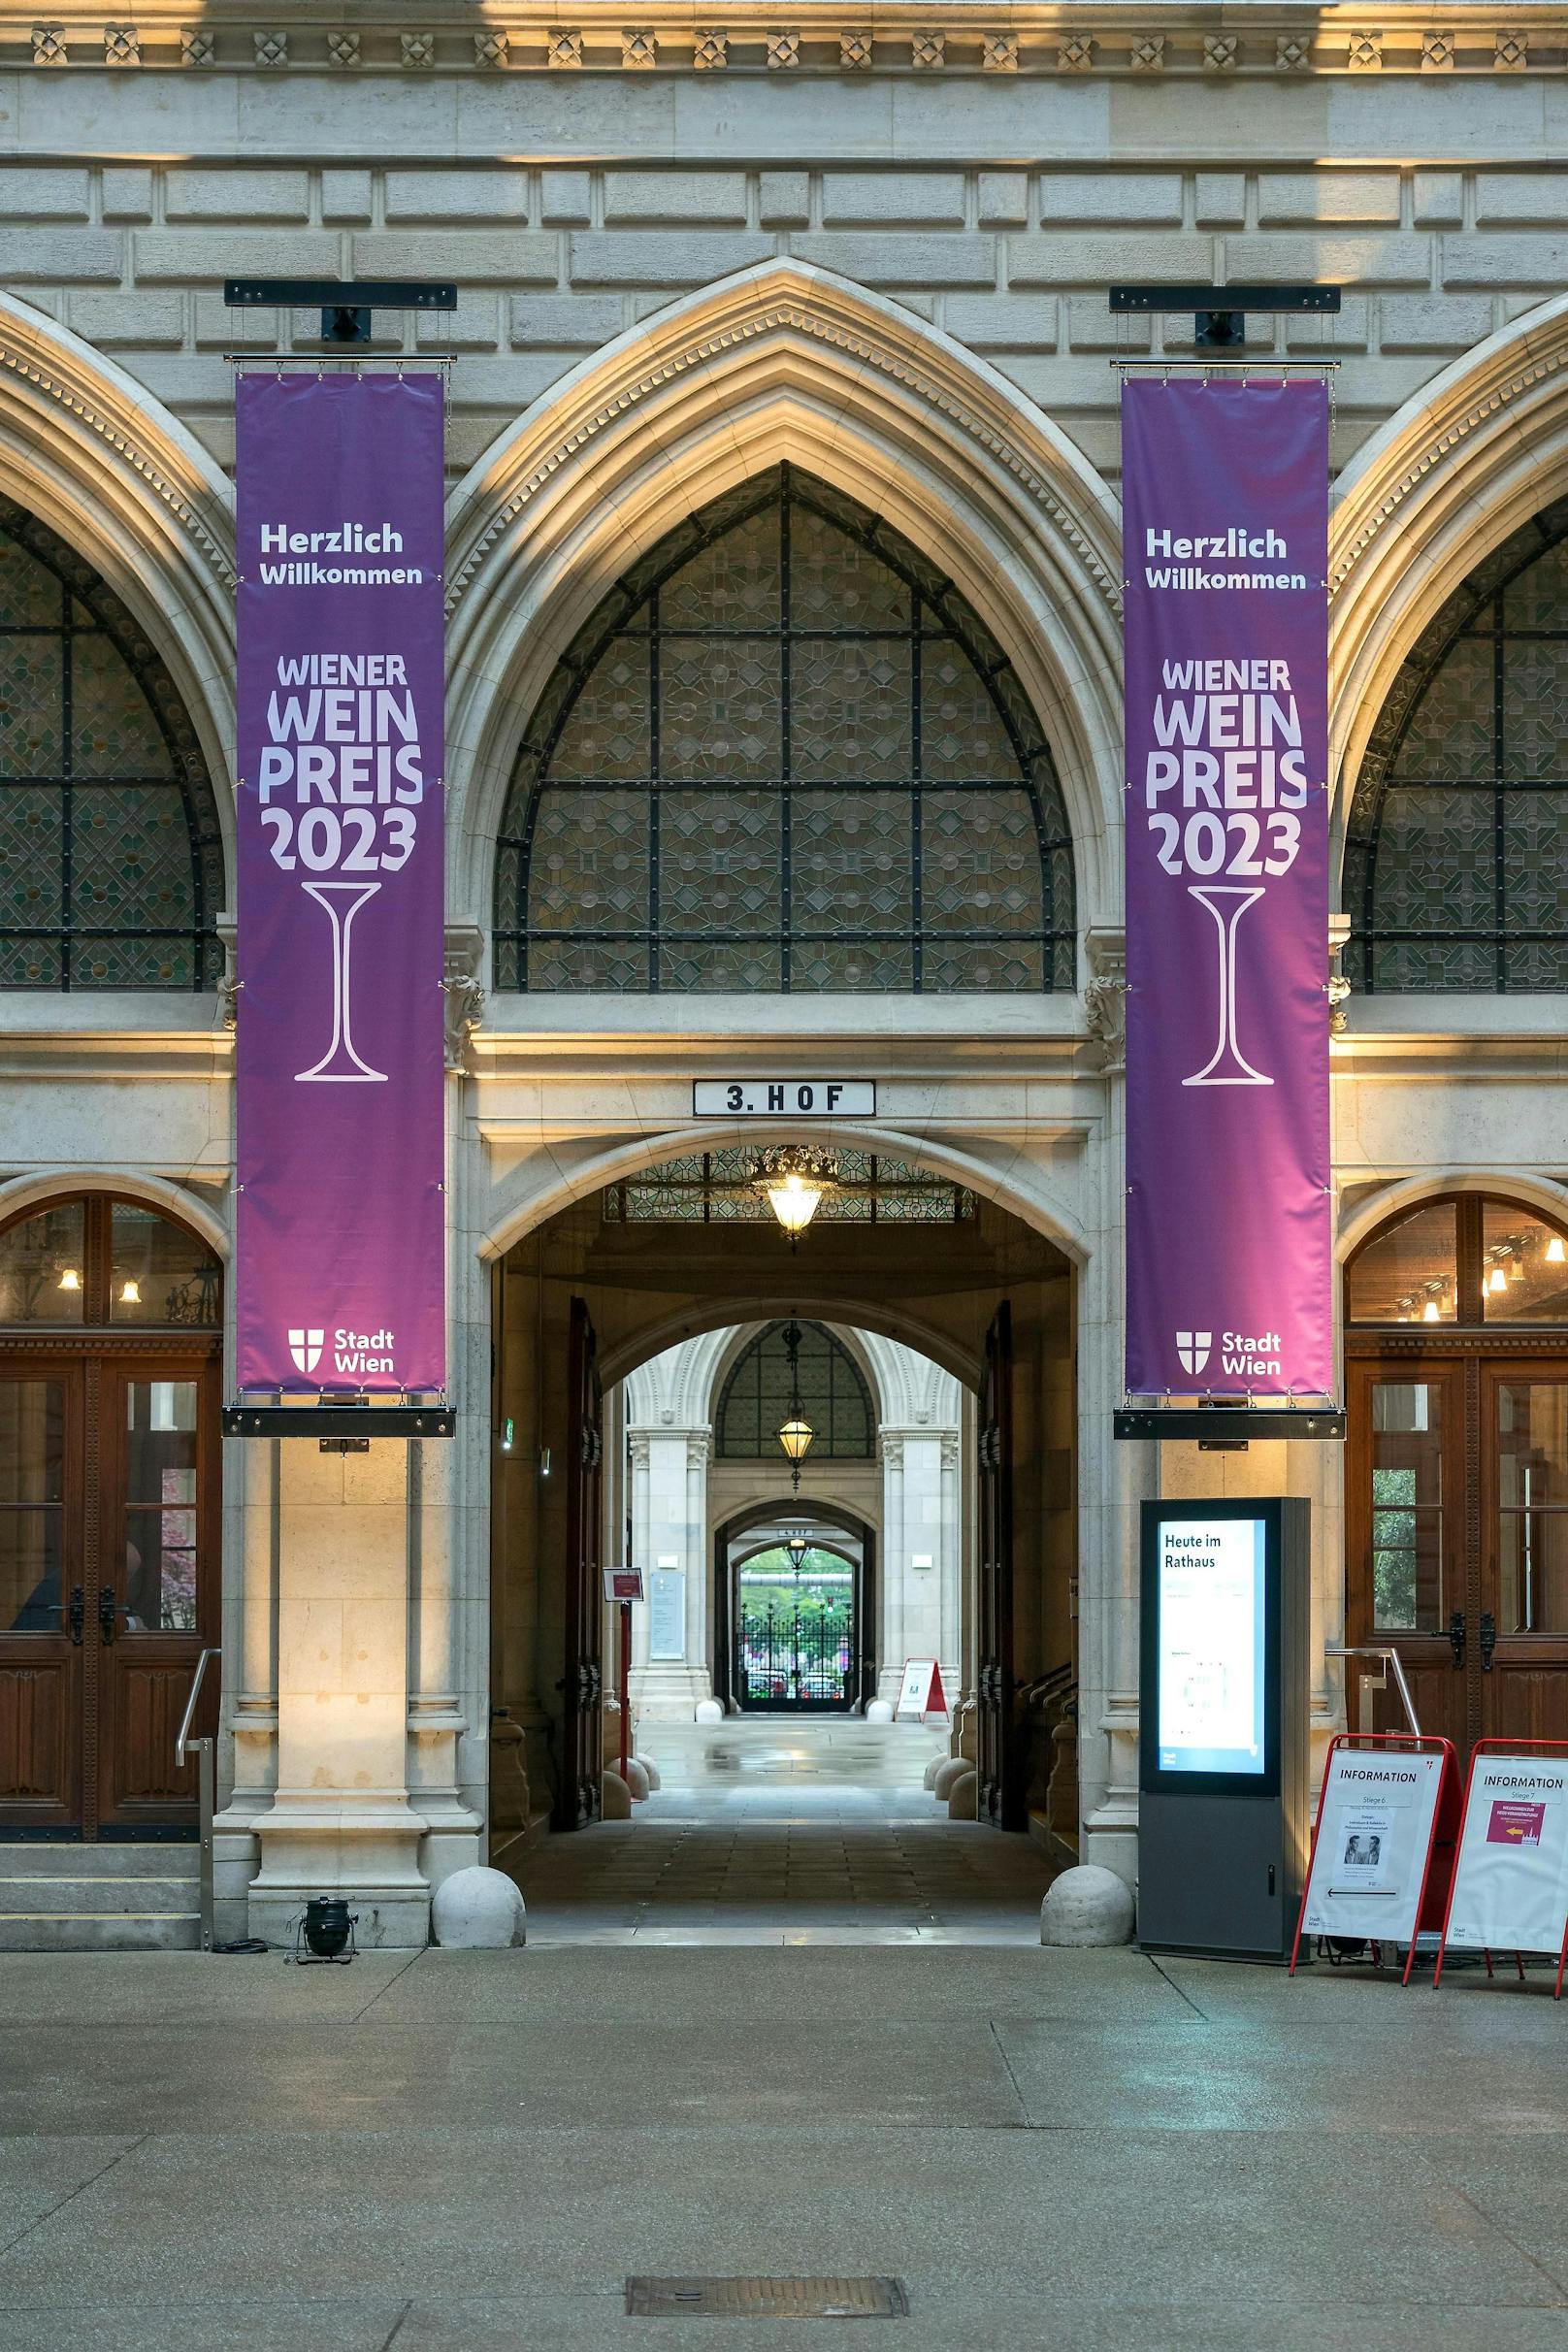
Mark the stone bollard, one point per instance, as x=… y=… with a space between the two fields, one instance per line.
x=478 y=1910
x=708 y=1711
x=636 y=1779
x=651 y=1768
x=880 y=1711
x=1087 y=1906
x=964 y=1797
x=948 y=1769
x=615 y=1801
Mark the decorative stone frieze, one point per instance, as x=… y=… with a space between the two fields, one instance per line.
x=417 y=49
x=710 y=49
x=122 y=45
x=927 y=49
x=854 y=49
x=1148 y=53
x=1293 y=52
x=563 y=47
x=1220 y=52
x=48 y=45
x=639 y=48
x=342 y=47
x=1437 y=52
x=1511 y=51
x=195 y=44
x=1365 y=54
x=783 y=48
x=271 y=48
x=1075 y=54
x=490 y=48
x=999 y=53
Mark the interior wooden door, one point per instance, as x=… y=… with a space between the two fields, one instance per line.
x=154 y=1601
x=1411 y=1579
x=1001 y=1794
x=580 y=1796
x=1521 y=1639
x=43 y=1660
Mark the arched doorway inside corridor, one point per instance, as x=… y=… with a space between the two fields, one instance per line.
x=685 y=1250
x=794 y=1611
x=110 y=1324
x=1456 y=1477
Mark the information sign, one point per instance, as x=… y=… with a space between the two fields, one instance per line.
x=1211 y=1629
x=801 y=1098
x=921 y=1691
x=1372 y=1855
x=1510 y=1878
x=666 y=1614
x=623 y=1585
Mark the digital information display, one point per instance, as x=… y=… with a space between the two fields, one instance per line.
x=1211 y=1637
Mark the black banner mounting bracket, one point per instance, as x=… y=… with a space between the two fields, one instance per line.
x=1218 y=314
x=346 y=304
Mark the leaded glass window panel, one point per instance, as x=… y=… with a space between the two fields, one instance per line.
x=759 y=1395
x=1457 y=856
x=111 y=861
x=784 y=754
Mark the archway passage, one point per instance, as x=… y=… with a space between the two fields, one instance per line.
x=797 y=1615
x=633 y=1271
x=111 y=1323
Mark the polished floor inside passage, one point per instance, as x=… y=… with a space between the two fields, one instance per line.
x=772 y=1829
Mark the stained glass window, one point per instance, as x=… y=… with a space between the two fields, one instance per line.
x=757 y=1398
x=1456 y=856
x=717 y=1188
x=111 y=861
x=784 y=754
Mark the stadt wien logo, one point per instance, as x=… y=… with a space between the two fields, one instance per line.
x=306 y=1347
x=1192 y=1347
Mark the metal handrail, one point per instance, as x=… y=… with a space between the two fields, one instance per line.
x=205 y=1790
x=183 y=1737
x=1366 y=1649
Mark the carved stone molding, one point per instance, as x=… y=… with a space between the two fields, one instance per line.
x=854 y=49
x=465 y=993
x=710 y=49
x=927 y=49
x=639 y=48
x=796 y=315
x=783 y=48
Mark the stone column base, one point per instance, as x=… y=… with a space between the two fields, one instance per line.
x=366 y=1850
x=667 y=1693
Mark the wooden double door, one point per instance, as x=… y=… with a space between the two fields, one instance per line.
x=1457 y=1527
x=108 y=1583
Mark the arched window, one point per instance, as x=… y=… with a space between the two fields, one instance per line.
x=1456 y=857
x=833 y=1396
x=111 y=861
x=784 y=754
x=97 y=1261
x=1469 y=1260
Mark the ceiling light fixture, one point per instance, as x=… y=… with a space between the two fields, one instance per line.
x=795 y=1180
x=796 y=1435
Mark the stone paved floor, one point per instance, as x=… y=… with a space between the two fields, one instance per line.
x=469 y=2152
x=768 y=1831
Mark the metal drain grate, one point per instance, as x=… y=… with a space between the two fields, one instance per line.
x=766 y=2299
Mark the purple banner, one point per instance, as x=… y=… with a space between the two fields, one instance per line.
x=341 y=1269
x=1230 y=1274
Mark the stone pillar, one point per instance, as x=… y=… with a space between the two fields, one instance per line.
x=341 y=1820
x=436 y=1716
x=249 y=1682
x=894 y=1568
x=669 y=1530
x=950 y=1568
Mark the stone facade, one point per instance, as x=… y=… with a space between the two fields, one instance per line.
x=881 y=254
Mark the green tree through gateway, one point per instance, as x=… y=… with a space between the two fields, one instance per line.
x=796 y=1644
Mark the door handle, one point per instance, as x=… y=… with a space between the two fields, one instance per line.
x=77 y=1613
x=1457 y=1635
x=1488 y=1639
x=106 y=1613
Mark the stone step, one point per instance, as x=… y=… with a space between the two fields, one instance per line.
x=105 y=1858
x=43 y=1931
x=22 y=1893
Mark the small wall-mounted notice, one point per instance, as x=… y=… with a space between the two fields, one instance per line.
x=666 y=1614
x=796 y=1097
x=623 y=1585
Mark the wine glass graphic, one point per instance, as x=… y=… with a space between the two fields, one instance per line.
x=1226 y=1066
x=341 y=1064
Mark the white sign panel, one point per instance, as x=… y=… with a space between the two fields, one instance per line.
x=800 y=1098
x=666 y=1614
x=1211 y=1646
x=921 y=1691
x=1511 y=1879
x=1374 y=1838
